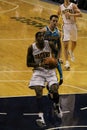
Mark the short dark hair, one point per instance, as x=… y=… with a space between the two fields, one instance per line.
x=56 y=16
x=38 y=33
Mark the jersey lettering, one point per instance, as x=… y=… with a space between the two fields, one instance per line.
x=42 y=55
x=67 y=10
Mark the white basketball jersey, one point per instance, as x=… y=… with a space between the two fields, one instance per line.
x=38 y=54
x=64 y=9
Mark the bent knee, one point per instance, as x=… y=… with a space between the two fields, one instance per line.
x=54 y=88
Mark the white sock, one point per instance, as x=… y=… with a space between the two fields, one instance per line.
x=67 y=62
x=41 y=116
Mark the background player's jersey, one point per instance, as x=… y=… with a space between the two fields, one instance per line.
x=64 y=9
x=52 y=35
x=38 y=54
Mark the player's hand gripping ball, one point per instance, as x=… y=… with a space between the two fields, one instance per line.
x=50 y=63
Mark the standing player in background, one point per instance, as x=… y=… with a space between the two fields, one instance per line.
x=51 y=33
x=69 y=12
x=37 y=53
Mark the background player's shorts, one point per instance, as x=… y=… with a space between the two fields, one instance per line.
x=40 y=77
x=69 y=32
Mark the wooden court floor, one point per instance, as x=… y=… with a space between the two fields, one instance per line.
x=19 y=21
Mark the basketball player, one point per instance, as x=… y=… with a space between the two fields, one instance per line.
x=39 y=50
x=69 y=12
x=51 y=33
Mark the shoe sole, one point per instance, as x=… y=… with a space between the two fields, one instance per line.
x=40 y=124
x=73 y=59
x=59 y=115
x=67 y=68
x=58 y=112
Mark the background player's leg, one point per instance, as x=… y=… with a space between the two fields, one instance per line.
x=66 y=46
x=73 y=46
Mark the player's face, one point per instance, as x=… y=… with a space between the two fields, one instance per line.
x=54 y=22
x=40 y=38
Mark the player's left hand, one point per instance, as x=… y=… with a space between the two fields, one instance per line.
x=67 y=15
x=60 y=60
x=61 y=81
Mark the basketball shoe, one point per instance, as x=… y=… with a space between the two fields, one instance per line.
x=40 y=121
x=67 y=65
x=57 y=110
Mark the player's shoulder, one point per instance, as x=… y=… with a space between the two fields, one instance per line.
x=31 y=46
x=75 y=7
x=73 y=4
x=61 y=5
x=44 y=29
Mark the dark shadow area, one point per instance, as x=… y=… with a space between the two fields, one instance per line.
x=82 y=4
x=20 y=113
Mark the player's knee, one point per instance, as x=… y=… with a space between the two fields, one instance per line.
x=39 y=91
x=53 y=93
x=54 y=88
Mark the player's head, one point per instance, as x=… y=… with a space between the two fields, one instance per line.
x=53 y=16
x=39 y=36
x=53 y=20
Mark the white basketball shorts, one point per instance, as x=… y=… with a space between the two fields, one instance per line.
x=69 y=32
x=40 y=77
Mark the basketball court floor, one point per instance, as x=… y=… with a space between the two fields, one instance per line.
x=19 y=21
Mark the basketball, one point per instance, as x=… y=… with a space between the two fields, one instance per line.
x=52 y=62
